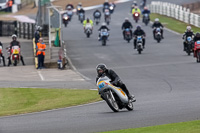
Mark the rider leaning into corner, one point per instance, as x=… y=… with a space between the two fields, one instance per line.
x=115 y=80
x=15 y=43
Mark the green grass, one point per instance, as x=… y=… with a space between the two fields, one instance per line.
x=173 y=24
x=183 y=127
x=24 y=100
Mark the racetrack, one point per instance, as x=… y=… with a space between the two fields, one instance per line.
x=163 y=79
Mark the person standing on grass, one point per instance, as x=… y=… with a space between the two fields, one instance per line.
x=41 y=47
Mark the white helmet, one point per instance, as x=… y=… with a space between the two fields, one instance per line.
x=157 y=20
x=103 y=24
x=189 y=28
x=14 y=36
x=134 y=2
x=126 y=19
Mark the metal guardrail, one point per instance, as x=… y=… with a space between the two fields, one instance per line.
x=175 y=11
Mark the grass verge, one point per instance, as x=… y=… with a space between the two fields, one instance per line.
x=173 y=24
x=183 y=127
x=24 y=100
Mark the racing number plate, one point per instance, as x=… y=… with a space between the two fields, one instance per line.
x=101 y=85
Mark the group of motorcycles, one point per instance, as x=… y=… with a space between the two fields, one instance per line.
x=192 y=47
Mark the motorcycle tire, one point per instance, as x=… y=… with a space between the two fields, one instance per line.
x=88 y=35
x=103 y=42
x=109 y=98
x=65 y=24
x=139 y=51
x=198 y=57
x=158 y=40
x=129 y=107
x=15 y=62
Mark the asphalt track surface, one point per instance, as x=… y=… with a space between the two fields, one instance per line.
x=163 y=78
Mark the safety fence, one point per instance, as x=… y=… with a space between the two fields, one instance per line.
x=21 y=29
x=175 y=11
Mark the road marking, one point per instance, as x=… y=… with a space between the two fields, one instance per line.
x=40 y=74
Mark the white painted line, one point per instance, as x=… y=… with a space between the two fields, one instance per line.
x=40 y=74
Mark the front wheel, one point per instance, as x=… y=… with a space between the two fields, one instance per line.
x=88 y=35
x=129 y=107
x=15 y=62
x=109 y=98
x=103 y=42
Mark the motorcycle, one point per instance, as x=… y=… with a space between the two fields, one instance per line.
x=1 y=53
x=158 y=36
x=115 y=97
x=65 y=19
x=97 y=18
x=106 y=7
x=15 y=56
x=104 y=36
x=128 y=36
x=190 y=45
x=139 y=44
x=197 y=51
x=81 y=17
x=111 y=8
x=88 y=30
x=136 y=16
x=107 y=16
x=146 y=18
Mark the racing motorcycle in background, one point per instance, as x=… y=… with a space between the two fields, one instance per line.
x=197 y=51
x=81 y=17
x=189 y=45
x=128 y=36
x=107 y=16
x=111 y=8
x=114 y=96
x=157 y=33
x=88 y=30
x=97 y=18
x=139 y=43
x=15 y=55
x=104 y=36
x=65 y=19
x=136 y=16
x=146 y=19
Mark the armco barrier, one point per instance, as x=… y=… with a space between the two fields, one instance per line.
x=175 y=11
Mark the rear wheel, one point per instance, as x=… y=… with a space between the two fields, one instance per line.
x=111 y=101
x=15 y=62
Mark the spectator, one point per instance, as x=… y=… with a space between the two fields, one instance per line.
x=41 y=47
x=9 y=5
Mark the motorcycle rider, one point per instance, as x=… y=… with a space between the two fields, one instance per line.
x=78 y=7
x=146 y=11
x=136 y=9
x=139 y=32
x=197 y=37
x=1 y=54
x=115 y=80
x=97 y=12
x=187 y=33
x=155 y=25
x=103 y=26
x=87 y=21
x=106 y=5
x=15 y=43
x=125 y=25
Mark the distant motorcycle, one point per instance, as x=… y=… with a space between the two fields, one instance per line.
x=97 y=18
x=81 y=17
x=88 y=30
x=104 y=36
x=107 y=17
x=190 y=45
x=128 y=36
x=197 y=51
x=70 y=14
x=65 y=19
x=15 y=56
x=146 y=19
x=115 y=97
x=1 y=53
x=158 y=36
x=139 y=44
x=136 y=16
